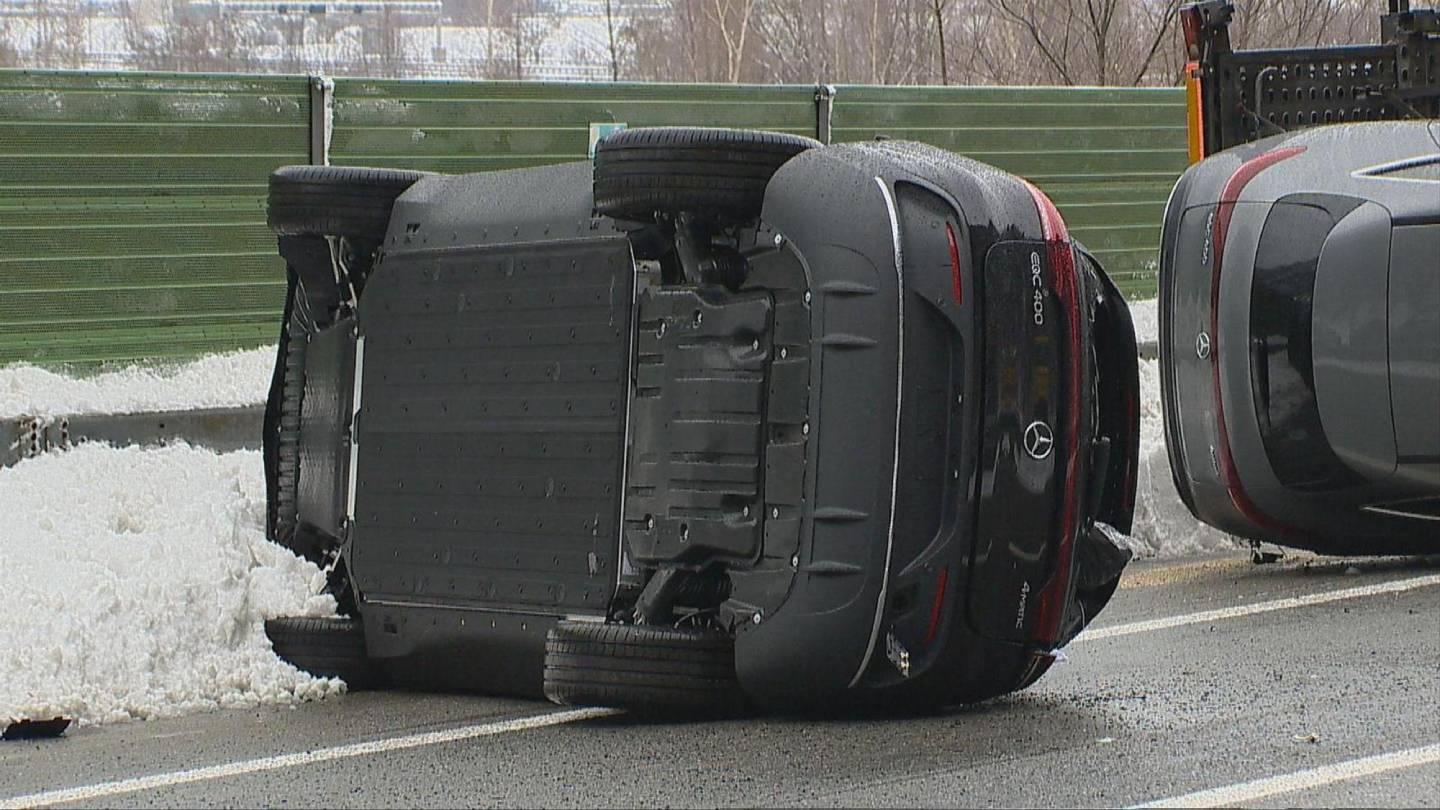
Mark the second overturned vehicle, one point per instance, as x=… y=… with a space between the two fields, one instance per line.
x=724 y=416
x=1300 y=338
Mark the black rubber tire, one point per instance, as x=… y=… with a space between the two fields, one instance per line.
x=326 y=648
x=335 y=200
x=647 y=670
x=713 y=173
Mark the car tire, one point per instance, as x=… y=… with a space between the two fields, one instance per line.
x=720 y=173
x=335 y=200
x=326 y=648
x=644 y=669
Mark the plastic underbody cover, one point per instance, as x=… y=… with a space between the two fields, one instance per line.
x=491 y=426
x=694 y=479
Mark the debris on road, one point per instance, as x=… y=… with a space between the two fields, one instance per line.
x=35 y=729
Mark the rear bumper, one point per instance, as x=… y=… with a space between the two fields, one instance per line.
x=889 y=589
x=817 y=642
x=1200 y=311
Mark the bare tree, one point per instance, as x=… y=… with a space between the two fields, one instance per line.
x=1165 y=33
x=679 y=44
x=1070 y=42
x=9 y=54
x=797 y=41
x=1298 y=23
x=937 y=7
x=732 y=19
x=1093 y=42
x=614 y=52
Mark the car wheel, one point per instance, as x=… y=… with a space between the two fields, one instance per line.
x=326 y=648
x=335 y=200
x=645 y=669
x=710 y=172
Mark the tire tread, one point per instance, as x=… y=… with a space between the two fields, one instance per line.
x=716 y=172
x=642 y=669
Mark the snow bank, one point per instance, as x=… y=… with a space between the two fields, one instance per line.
x=1146 y=315
x=1163 y=526
x=228 y=380
x=135 y=584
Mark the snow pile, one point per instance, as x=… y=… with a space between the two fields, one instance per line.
x=1146 y=315
x=136 y=583
x=1163 y=526
x=232 y=379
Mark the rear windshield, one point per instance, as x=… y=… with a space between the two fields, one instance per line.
x=1282 y=368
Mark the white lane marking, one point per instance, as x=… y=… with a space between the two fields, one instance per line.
x=90 y=793
x=1233 y=795
x=1397 y=586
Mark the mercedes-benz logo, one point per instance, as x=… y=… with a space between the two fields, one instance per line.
x=1202 y=345
x=1039 y=440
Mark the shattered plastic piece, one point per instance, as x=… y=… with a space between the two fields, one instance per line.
x=36 y=729
x=1265 y=553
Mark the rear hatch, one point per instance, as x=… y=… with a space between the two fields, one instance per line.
x=1036 y=424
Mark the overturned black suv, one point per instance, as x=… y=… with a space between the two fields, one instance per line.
x=724 y=415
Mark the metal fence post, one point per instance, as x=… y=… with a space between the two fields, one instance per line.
x=824 y=105
x=322 y=119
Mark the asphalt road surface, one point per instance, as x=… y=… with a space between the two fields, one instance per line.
x=1308 y=682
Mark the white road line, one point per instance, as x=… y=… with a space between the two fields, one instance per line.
x=1325 y=775
x=1233 y=795
x=90 y=793
x=1397 y=586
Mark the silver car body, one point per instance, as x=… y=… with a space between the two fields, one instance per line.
x=1300 y=338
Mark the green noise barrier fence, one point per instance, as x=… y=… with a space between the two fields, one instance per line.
x=132 y=220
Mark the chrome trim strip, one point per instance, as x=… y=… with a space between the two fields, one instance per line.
x=890 y=209
x=354 y=434
x=633 y=349
x=1400 y=513
x=1379 y=171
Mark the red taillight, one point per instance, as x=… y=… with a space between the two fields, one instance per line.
x=938 y=606
x=1229 y=196
x=1191 y=22
x=954 y=263
x=1050 y=612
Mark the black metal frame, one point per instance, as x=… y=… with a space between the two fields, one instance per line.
x=1248 y=95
